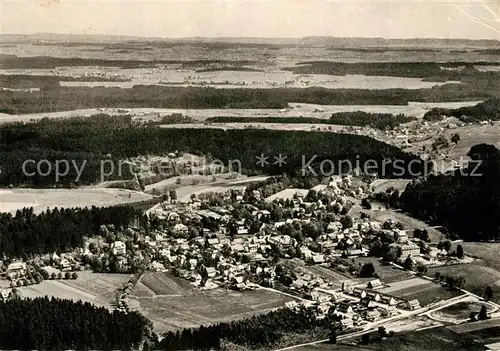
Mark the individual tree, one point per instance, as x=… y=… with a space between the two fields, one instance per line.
x=53 y=276
x=74 y=275
x=367 y=271
x=333 y=336
x=455 y=138
x=460 y=251
x=488 y=292
x=409 y=264
x=382 y=331
x=483 y=313
x=347 y=222
x=365 y=339
x=437 y=276
x=173 y=195
x=424 y=236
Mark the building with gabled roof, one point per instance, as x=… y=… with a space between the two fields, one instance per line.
x=374 y=284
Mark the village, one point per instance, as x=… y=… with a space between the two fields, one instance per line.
x=318 y=246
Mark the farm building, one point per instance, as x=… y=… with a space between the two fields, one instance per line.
x=374 y=284
x=411 y=304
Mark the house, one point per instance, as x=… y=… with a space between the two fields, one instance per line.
x=374 y=284
x=388 y=300
x=213 y=241
x=291 y=304
x=318 y=297
x=359 y=293
x=195 y=278
x=372 y=315
x=64 y=264
x=317 y=259
x=372 y=295
x=181 y=228
x=16 y=269
x=119 y=248
x=353 y=252
x=344 y=307
x=345 y=323
x=156 y=266
x=389 y=311
x=409 y=250
x=411 y=304
x=211 y=272
x=238 y=282
x=400 y=236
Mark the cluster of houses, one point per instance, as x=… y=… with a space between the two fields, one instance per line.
x=355 y=306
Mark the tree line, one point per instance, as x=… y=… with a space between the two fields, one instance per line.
x=357 y=118
x=95 y=139
x=58 y=230
x=55 y=324
x=259 y=332
x=483 y=111
x=59 y=98
x=466 y=203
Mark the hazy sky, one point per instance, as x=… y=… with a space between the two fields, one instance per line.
x=272 y=18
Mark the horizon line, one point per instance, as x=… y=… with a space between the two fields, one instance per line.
x=245 y=37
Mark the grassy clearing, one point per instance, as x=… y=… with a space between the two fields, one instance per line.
x=208 y=307
x=41 y=199
x=477 y=277
x=461 y=310
x=386 y=272
x=96 y=288
x=160 y=283
x=425 y=293
x=488 y=252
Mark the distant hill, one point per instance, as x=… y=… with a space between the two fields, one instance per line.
x=305 y=41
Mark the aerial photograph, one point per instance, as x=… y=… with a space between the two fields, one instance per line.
x=250 y=175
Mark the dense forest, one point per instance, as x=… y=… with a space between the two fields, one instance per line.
x=58 y=98
x=484 y=111
x=467 y=203
x=48 y=62
x=57 y=230
x=99 y=138
x=356 y=118
x=43 y=324
x=257 y=332
x=429 y=70
x=24 y=81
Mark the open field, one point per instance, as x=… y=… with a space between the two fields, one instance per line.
x=488 y=252
x=404 y=284
x=426 y=292
x=159 y=283
x=332 y=276
x=477 y=277
x=410 y=223
x=461 y=310
x=96 y=288
x=381 y=185
x=207 y=307
x=41 y=199
x=473 y=327
x=287 y=194
x=295 y=110
x=386 y=272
